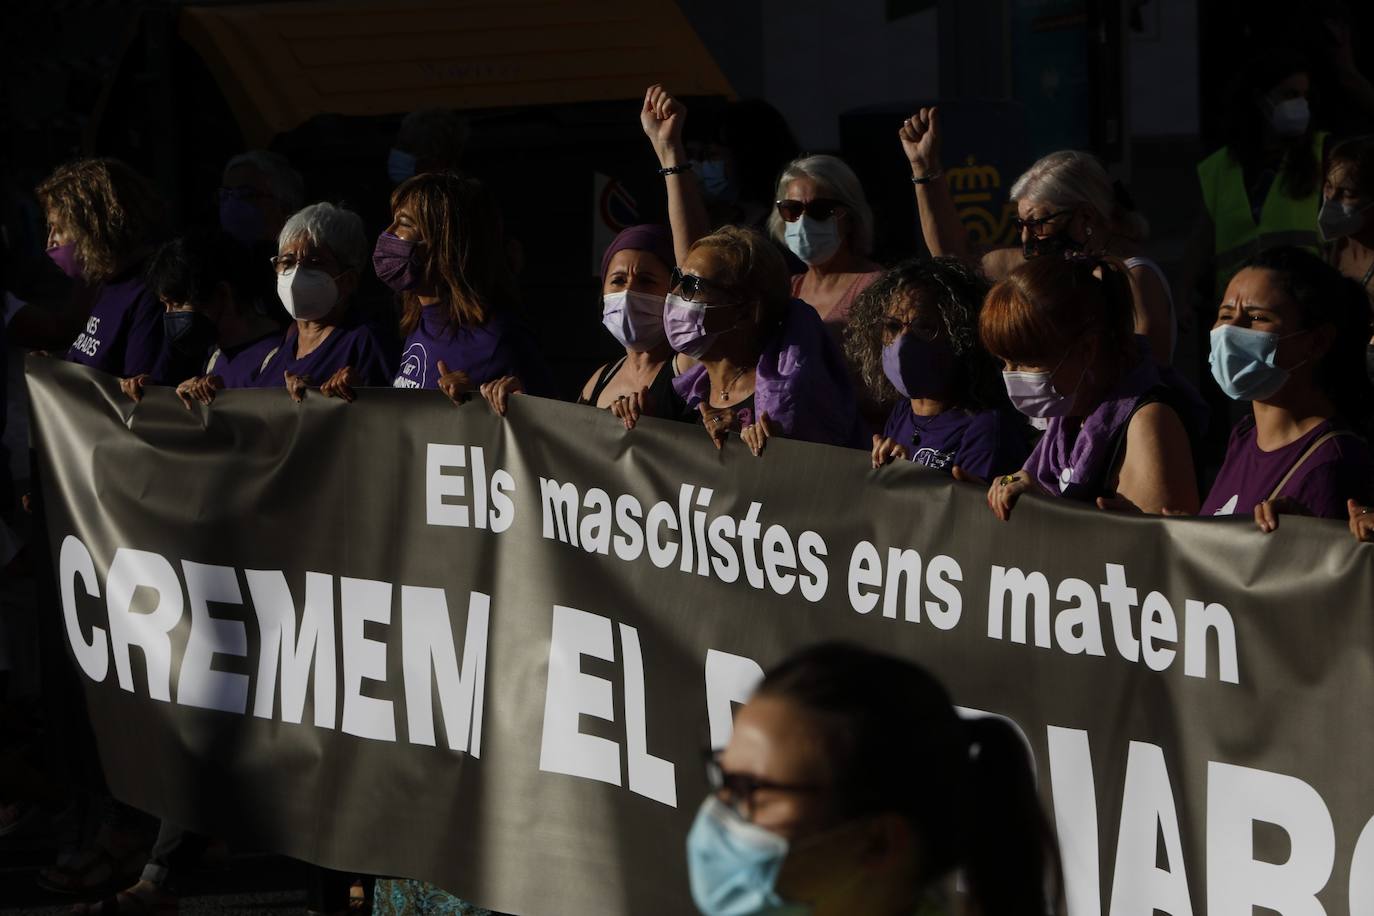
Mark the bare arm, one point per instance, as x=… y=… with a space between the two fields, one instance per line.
x=1157 y=469
x=1153 y=313
x=662 y=118
x=944 y=233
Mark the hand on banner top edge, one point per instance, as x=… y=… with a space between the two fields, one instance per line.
x=1006 y=490
x=1118 y=503
x=201 y=388
x=1267 y=513
x=133 y=386
x=628 y=408
x=964 y=476
x=886 y=449
x=756 y=434
x=717 y=423
x=498 y=392
x=1361 y=521
x=296 y=385
x=455 y=385
x=340 y=384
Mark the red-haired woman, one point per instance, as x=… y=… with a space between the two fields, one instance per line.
x=1120 y=426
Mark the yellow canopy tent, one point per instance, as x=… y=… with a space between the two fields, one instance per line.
x=279 y=64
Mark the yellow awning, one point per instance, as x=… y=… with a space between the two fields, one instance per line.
x=279 y=64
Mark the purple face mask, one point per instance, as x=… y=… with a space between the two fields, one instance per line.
x=64 y=256
x=242 y=220
x=919 y=368
x=685 y=324
x=396 y=262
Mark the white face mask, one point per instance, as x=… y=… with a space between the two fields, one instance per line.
x=1290 y=118
x=814 y=241
x=308 y=295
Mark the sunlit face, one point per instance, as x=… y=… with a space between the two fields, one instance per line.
x=636 y=271
x=404 y=224
x=1255 y=299
x=59 y=232
x=1046 y=219
x=908 y=314
x=725 y=310
x=806 y=189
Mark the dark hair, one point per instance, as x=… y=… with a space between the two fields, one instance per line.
x=956 y=291
x=190 y=268
x=464 y=247
x=1325 y=296
x=1042 y=307
x=895 y=744
x=1245 y=120
x=1358 y=154
x=758 y=137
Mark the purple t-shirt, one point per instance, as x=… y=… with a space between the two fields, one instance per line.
x=1338 y=470
x=239 y=367
x=485 y=352
x=123 y=335
x=353 y=345
x=986 y=443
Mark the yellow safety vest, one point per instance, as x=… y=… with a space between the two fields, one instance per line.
x=1284 y=220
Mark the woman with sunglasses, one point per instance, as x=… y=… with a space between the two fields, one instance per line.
x=1121 y=428
x=914 y=336
x=636 y=270
x=767 y=366
x=850 y=784
x=822 y=217
x=1064 y=202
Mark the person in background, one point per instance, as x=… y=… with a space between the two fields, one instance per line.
x=822 y=217
x=104 y=219
x=215 y=324
x=1121 y=427
x=428 y=140
x=258 y=191
x=767 y=366
x=1064 y=202
x=1290 y=338
x=1346 y=219
x=737 y=154
x=914 y=336
x=1263 y=188
x=320 y=254
x=635 y=271
x=443 y=256
x=850 y=784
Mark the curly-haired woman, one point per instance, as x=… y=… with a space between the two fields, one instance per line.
x=913 y=334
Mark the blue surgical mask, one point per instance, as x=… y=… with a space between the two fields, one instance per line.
x=814 y=241
x=715 y=181
x=733 y=865
x=1290 y=117
x=1242 y=361
x=400 y=165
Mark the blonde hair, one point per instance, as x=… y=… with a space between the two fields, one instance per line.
x=112 y=212
x=754 y=269
x=1071 y=178
x=838 y=181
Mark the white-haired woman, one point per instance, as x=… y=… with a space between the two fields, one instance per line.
x=823 y=218
x=1064 y=202
x=320 y=254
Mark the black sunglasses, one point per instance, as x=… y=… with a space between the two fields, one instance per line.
x=690 y=285
x=822 y=208
x=1034 y=224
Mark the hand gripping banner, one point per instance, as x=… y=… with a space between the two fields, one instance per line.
x=405 y=638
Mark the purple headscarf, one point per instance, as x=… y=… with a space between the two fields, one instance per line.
x=657 y=240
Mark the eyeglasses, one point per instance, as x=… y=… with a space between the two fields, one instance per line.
x=737 y=789
x=1038 y=223
x=895 y=327
x=242 y=192
x=285 y=263
x=691 y=285
x=821 y=209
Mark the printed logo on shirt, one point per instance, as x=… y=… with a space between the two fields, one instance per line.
x=1230 y=507
x=1065 y=479
x=412 y=371
x=933 y=458
x=86 y=342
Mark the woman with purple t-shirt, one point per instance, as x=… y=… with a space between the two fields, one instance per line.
x=914 y=335
x=1290 y=338
x=445 y=254
x=103 y=221
x=1121 y=426
x=320 y=253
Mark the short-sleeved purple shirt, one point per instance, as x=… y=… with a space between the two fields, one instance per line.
x=239 y=367
x=486 y=352
x=353 y=345
x=123 y=334
x=1340 y=469
x=986 y=443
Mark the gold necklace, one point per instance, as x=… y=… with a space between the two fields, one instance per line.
x=725 y=388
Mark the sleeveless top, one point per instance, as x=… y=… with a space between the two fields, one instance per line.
x=664 y=401
x=1131 y=264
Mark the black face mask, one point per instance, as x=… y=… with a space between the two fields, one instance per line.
x=188 y=333
x=1056 y=244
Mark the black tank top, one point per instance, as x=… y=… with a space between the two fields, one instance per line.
x=664 y=401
